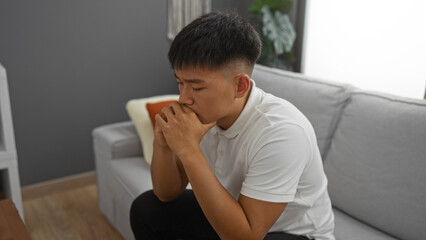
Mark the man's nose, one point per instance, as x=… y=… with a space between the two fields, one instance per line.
x=185 y=96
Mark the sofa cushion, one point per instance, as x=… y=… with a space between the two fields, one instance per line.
x=321 y=102
x=377 y=161
x=348 y=228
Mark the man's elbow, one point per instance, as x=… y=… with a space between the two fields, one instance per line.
x=253 y=237
x=247 y=236
x=165 y=197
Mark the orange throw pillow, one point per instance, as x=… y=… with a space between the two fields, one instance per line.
x=154 y=108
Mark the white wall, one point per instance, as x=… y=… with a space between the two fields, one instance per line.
x=378 y=45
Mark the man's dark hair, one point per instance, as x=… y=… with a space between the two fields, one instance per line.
x=214 y=40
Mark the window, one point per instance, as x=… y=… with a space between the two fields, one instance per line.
x=377 y=45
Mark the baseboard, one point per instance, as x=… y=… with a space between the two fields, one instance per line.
x=59 y=184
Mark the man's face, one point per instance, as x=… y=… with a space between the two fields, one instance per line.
x=210 y=94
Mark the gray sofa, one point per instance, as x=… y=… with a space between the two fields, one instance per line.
x=373 y=147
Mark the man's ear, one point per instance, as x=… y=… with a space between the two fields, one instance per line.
x=242 y=82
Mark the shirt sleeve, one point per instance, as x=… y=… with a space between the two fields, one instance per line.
x=276 y=163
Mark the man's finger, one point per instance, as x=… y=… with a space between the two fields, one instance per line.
x=176 y=108
x=160 y=120
x=167 y=113
x=163 y=116
x=186 y=109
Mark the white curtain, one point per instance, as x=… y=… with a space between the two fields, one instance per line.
x=378 y=45
x=182 y=12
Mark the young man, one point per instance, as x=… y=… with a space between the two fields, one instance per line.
x=251 y=158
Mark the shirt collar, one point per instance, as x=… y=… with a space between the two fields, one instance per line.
x=242 y=119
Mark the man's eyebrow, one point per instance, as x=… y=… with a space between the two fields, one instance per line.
x=196 y=80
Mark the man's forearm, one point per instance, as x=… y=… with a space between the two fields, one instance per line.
x=167 y=179
x=224 y=213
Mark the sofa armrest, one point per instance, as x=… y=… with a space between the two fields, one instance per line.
x=117 y=140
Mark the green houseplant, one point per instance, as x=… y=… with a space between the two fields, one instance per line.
x=277 y=32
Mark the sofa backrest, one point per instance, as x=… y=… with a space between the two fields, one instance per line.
x=376 y=165
x=321 y=101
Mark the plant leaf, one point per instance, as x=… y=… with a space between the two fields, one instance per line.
x=279 y=5
x=278 y=29
x=274 y=5
x=256 y=6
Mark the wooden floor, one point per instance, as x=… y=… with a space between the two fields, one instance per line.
x=66 y=210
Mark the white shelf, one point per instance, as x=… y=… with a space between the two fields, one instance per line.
x=8 y=156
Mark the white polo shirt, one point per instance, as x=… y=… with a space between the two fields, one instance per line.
x=270 y=153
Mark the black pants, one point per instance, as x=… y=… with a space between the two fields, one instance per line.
x=180 y=219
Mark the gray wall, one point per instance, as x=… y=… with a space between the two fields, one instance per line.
x=72 y=66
